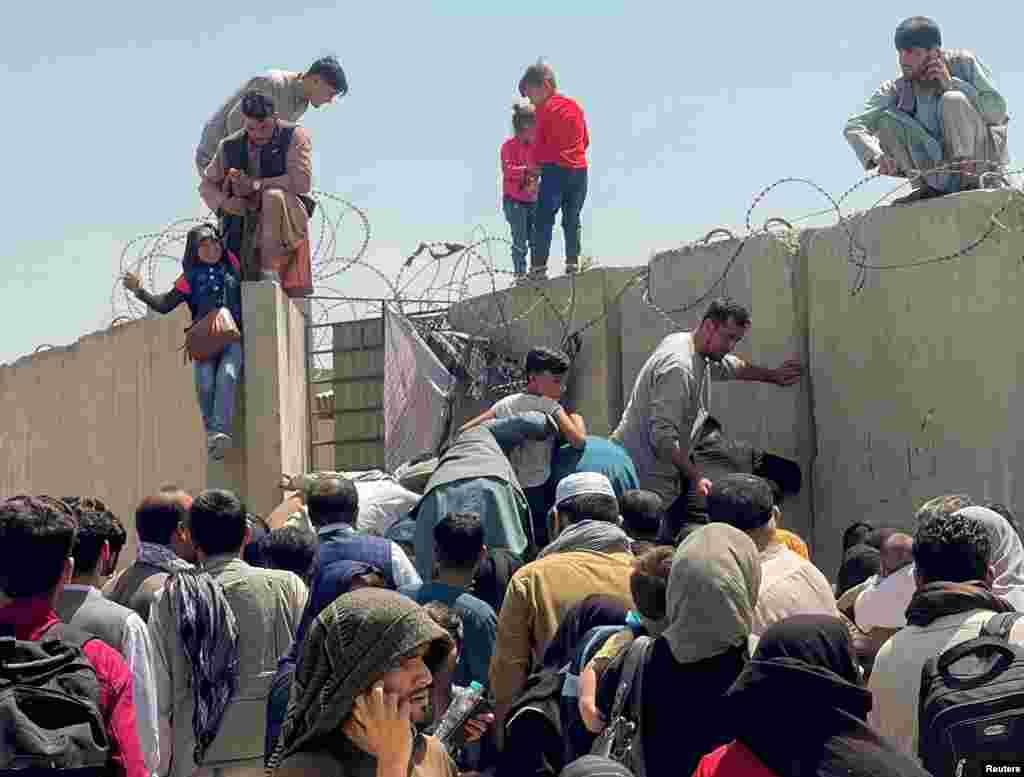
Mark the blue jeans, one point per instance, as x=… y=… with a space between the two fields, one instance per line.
x=565 y=189
x=520 y=217
x=216 y=380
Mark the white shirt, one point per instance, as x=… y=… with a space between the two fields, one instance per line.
x=895 y=680
x=532 y=459
x=790 y=585
x=138 y=652
x=884 y=601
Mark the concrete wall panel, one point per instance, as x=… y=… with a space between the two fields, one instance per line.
x=917 y=377
x=765 y=276
x=113 y=415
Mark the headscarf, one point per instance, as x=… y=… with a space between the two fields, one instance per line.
x=209 y=635
x=712 y=593
x=595 y=610
x=195 y=236
x=597 y=536
x=792 y=541
x=810 y=658
x=859 y=563
x=493 y=576
x=1007 y=556
x=350 y=646
x=595 y=766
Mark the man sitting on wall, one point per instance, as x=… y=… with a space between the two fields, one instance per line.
x=944 y=112
x=259 y=183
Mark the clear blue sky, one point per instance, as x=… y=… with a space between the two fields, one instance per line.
x=693 y=108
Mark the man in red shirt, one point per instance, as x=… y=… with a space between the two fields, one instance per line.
x=36 y=538
x=560 y=154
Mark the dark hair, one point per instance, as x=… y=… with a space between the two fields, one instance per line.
x=94 y=529
x=546 y=360
x=218 y=523
x=641 y=512
x=649 y=581
x=918 y=32
x=951 y=548
x=536 y=74
x=256 y=105
x=329 y=69
x=590 y=507
x=96 y=525
x=859 y=563
x=36 y=538
x=291 y=548
x=523 y=116
x=458 y=539
x=157 y=517
x=449 y=620
x=333 y=500
x=741 y=500
x=855 y=534
x=943 y=505
x=724 y=309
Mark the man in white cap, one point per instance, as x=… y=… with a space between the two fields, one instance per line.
x=590 y=554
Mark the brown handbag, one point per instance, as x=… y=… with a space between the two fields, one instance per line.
x=211 y=334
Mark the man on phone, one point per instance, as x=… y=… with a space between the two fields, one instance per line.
x=942 y=124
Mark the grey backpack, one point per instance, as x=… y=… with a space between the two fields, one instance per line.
x=50 y=718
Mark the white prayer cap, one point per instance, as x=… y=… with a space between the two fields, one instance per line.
x=583 y=483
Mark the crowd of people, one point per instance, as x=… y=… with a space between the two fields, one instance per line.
x=319 y=649
x=631 y=605
x=590 y=606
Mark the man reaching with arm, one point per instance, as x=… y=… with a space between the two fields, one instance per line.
x=671 y=395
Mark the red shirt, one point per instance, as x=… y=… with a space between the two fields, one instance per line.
x=31 y=618
x=515 y=160
x=732 y=760
x=562 y=135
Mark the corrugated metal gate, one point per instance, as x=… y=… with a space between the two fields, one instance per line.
x=356 y=379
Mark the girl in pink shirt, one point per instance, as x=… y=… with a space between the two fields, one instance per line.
x=519 y=184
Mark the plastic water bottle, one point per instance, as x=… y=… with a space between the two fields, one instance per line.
x=461 y=709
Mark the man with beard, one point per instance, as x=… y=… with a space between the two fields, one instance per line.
x=292 y=94
x=944 y=112
x=258 y=184
x=671 y=398
x=362 y=686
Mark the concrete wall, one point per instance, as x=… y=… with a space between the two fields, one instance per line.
x=916 y=379
x=912 y=384
x=115 y=415
x=766 y=275
x=527 y=317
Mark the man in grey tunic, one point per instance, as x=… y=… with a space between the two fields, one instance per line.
x=292 y=94
x=943 y=114
x=671 y=396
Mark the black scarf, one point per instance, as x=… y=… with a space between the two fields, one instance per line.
x=938 y=599
x=595 y=610
x=805 y=666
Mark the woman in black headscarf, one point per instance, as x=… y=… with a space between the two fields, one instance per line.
x=595 y=610
x=804 y=667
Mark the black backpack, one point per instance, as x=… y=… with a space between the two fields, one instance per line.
x=972 y=713
x=50 y=717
